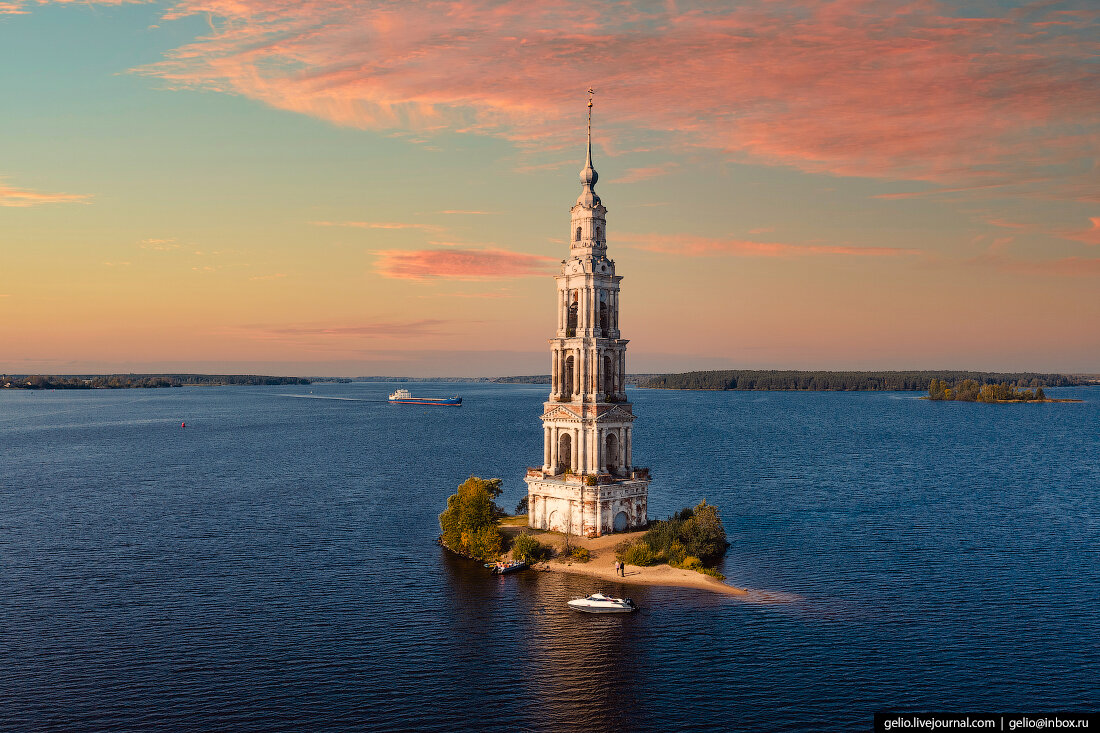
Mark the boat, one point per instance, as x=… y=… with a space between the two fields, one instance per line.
x=599 y=603
x=501 y=568
x=405 y=397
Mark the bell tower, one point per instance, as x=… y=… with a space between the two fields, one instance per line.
x=587 y=484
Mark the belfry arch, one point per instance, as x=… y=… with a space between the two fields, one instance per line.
x=565 y=453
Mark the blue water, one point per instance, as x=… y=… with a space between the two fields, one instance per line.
x=273 y=567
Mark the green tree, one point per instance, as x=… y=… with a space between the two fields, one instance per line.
x=470 y=521
x=521 y=507
x=703 y=535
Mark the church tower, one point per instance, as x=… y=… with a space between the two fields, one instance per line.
x=587 y=484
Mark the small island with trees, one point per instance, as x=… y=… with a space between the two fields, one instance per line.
x=968 y=390
x=683 y=550
x=139 y=381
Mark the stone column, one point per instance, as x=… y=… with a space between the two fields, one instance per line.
x=553 y=449
x=581 y=463
x=577 y=387
x=547 y=434
x=622 y=372
x=599 y=513
x=629 y=448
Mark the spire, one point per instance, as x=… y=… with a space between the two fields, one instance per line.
x=589 y=176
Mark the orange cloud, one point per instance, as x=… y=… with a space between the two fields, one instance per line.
x=21 y=197
x=693 y=246
x=893 y=89
x=1088 y=236
x=460 y=264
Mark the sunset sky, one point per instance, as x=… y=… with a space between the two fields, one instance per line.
x=352 y=188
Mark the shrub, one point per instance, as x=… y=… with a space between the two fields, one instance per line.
x=635 y=553
x=469 y=523
x=527 y=548
x=591 y=480
x=696 y=532
x=581 y=554
x=521 y=507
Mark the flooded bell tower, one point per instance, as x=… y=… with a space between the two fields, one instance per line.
x=588 y=484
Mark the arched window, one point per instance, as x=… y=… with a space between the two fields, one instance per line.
x=565 y=457
x=599 y=233
x=608 y=377
x=567 y=381
x=605 y=324
x=571 y=319
x=577 y=237
x=611 y=448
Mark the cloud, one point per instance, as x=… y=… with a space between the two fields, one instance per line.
x=116 y=264
x=159 y=245
x=895 y=89
x=459 y=211
x=460 y=264
x=19 y=7
x=273 y=276
x=1088 y=236
x=634 y=175
x=694 y=246
x=22 y=197
x=378 y=225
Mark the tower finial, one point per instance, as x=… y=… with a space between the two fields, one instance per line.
x=589 y=175
x=591 y=92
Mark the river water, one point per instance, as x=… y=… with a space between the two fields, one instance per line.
x=272 y=565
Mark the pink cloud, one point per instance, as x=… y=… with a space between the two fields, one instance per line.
x=633 y=175
x=22 y=197
x=460 y=264
x=693 y=246
x=1088 y=236
x=895 y=89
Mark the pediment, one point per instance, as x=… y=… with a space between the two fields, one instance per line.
x=560 y=413
x=615 y=414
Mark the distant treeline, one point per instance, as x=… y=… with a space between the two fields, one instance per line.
x=747 y=379
x=132 y=381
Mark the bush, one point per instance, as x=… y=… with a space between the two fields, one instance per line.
x=521 y=507
x=469 y=523
x=527 y=548
x=635 y=553
x=694 y=532
x=581 y=554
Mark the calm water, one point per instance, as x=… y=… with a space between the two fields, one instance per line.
x=273 y=567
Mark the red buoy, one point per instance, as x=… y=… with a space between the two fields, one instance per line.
x=183 y=424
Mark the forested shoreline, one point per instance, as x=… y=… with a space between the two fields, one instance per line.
x=891 y=381
x=138 y=381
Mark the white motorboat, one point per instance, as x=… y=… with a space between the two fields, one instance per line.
x=599 y=603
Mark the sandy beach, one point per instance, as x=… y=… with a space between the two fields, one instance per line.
x=602 y=564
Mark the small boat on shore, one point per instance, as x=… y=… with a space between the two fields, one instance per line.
x=599 y=603
x=500 y=568
x=405 y=397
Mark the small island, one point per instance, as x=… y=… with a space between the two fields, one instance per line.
x=969 y=390
x=681 y=551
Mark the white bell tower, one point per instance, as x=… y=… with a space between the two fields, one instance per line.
x=587 y=484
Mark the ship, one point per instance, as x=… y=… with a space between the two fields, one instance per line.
x=405 y=397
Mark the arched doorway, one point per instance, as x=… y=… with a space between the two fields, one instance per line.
x=611 y=452
x=621 y=521
x=554 y=522
x=565 y=452
x=567 y=382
